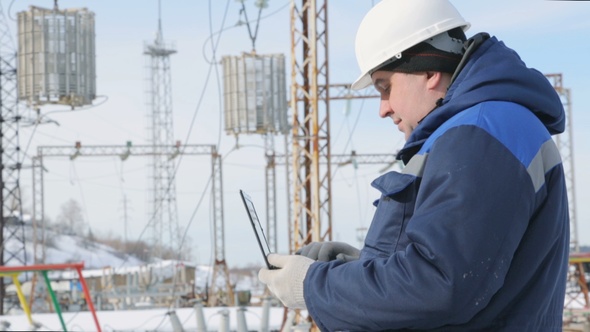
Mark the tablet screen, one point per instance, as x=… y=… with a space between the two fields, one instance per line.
x=258 y=231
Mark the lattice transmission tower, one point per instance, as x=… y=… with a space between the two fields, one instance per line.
x=312 y=207
x=12 y=234
x=163 y=213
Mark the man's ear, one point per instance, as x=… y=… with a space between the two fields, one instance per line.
x=434 y=79
x=438 y=81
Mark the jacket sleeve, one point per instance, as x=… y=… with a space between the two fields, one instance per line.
x=471 y=211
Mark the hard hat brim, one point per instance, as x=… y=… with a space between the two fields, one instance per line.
x=362 y=82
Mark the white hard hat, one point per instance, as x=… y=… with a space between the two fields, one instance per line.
x=393 y=26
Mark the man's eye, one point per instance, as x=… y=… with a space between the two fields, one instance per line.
x=382 y=89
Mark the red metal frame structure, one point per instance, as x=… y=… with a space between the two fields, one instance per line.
x=43 y=269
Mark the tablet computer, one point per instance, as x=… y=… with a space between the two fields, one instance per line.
x=257 y=227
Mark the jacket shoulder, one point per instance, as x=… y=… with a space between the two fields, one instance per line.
x=513 y=125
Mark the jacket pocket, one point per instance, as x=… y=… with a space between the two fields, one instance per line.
x=394 y=209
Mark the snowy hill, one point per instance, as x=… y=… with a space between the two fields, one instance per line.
x=64 y=248
x=69 y=248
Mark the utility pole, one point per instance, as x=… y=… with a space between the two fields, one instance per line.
x=125 y=219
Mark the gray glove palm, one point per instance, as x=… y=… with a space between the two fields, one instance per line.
x=328 y=251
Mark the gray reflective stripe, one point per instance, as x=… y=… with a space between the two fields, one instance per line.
x=547 y=158
x=415 y=166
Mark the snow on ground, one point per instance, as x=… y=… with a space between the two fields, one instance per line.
x=144 y=320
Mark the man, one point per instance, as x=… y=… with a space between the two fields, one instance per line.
x=473 y=234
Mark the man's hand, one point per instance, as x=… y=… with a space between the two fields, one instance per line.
x=286 y=282
x=328 y=251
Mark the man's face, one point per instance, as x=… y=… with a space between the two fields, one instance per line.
x=405 y=98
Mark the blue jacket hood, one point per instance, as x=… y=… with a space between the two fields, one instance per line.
x=493 y=72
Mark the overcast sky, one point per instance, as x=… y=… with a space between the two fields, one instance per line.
x=549 y=35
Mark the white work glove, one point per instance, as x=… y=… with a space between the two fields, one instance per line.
x=329 y=251
x=286 y=282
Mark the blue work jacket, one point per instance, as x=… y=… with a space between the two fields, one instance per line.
x=473 y=233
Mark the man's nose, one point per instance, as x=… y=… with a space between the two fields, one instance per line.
x=385 y=108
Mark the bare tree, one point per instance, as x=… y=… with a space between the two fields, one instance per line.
x=71 y=216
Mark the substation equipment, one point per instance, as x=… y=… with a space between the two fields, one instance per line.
x=124 y=152
x=255 y=102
